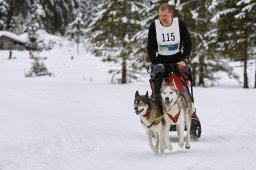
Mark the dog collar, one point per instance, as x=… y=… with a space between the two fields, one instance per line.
x=149 y=126
x=147 y=117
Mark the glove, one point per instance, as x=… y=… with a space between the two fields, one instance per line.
x=186 y=69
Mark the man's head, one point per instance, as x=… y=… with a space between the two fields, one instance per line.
x=166 y=14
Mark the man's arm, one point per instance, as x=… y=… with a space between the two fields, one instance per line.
x=185 y=39
x=152 y=43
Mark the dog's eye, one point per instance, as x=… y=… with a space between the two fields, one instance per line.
x=171 y=92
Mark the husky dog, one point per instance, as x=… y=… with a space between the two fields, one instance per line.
x=151 y=119
x=175 y=113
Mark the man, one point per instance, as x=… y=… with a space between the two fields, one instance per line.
x=169 y=44
x=169 y=37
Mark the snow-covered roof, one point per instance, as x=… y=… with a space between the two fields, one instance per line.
x=13 y=36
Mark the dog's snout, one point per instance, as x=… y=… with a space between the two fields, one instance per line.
x=167 y=99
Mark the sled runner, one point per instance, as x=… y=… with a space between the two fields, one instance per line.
x=182 y=80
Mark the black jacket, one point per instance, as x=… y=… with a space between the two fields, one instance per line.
x=152 y=47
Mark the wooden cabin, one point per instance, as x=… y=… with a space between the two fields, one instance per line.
x=11 y=41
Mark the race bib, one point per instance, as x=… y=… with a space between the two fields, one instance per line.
x=168 y=38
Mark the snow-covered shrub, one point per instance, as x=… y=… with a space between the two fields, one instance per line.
x=37 y=69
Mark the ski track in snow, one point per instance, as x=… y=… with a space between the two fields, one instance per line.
x=69 y=122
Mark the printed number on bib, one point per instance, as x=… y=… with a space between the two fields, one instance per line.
x=168 y=37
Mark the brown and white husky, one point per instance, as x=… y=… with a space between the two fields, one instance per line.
x=151 y=119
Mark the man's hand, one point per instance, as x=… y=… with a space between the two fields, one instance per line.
x=181 y=64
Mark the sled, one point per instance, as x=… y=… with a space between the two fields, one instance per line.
x=182 y=81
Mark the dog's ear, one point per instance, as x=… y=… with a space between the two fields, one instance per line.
x=164 y=83
x=137 y=94
x=173 y=84
x=147 y=94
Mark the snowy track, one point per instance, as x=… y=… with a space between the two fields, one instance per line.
x=68 y=123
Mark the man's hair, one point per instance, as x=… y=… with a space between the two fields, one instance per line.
x=166 y=6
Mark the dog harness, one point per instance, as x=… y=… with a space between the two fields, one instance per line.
x=175 y=118
x=149 y=126
x=153 y=121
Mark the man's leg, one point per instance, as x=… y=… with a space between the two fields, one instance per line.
x=157 y=71
x=158 y=74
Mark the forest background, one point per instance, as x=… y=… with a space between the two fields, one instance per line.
x=222 y=32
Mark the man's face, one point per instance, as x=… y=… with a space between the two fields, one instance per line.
x=165 y=17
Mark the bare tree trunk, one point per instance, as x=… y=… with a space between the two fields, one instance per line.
x=124 y=55
x=245 y=69
x=124 y=79
x=201 y=71
x=194 y=74
x=245 y=75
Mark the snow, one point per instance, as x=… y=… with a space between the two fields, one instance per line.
x=224 y=12
x=244 y=1
x=19 y=38
x=78 y=120
x=195 y=14
x=171 y=2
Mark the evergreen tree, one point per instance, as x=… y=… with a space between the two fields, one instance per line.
x=84 y=11
x=58 y=14
x=35 y=24
x=113 y=32
x=139 y=59
x=236 y=31
x=18 y=15
x=37 y=14
x=3 y=14
x=18 y=24
x=89 y=10
x=76 y=30
x=33 y=36
x=204 y=62
x=204 y=59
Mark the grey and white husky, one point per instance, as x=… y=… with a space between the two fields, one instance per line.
x=176 y=113
x=151 y=119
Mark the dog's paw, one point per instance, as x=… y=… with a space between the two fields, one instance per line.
x=181 y=144
x=155 y=151
x=169 y=147
x=187 y=146
x=161 y=150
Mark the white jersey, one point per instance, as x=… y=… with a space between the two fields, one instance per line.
x=168 y=38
